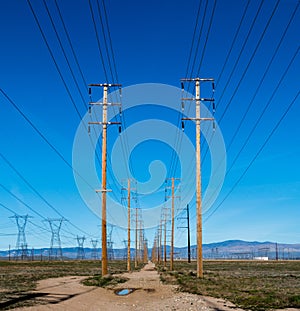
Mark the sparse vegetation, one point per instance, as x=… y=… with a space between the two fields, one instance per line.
x=17 y=279
x=100 y=281
x=248 y=284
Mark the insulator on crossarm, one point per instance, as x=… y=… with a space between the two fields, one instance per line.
x=120 y=129
x=214 y=126
x=214 y=106
x=90 y=91
x=182 y=106
x=90 y=109
x=182 y=125
x=182 y=86
x=213 y=86
x=120 y=111
x=120 y=92
x=89 y=130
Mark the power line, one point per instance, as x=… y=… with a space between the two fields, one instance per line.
x=199 y=38
x=261 y=82
x=98 y=40
x=264 y=75
x=64 y=53
x=264 y=110
x=70 y=43
x=36 y=192
x=105 y=41
x=110 y=42
x=43 y=137
x=54 y=60
x=193 y=39
x=207 y=36
x=242 y=49
x=233 y=41
x=251 y=59
x=256 y=155
x=255 y=126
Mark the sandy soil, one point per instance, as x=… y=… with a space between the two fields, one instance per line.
x=150 y=294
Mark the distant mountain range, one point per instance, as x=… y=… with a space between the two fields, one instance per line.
x=232 y=249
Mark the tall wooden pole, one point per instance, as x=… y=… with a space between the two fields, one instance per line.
x=141 y=241
x=165 y=241
x=128 y=231
x=104 y=165
x=189 y=233
x=198 y=185
x=172 y=233
x=198 y=119
x=136 y=239
x=145 y=251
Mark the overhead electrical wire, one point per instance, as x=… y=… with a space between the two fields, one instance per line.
x=264 y=75
x=241 y=52
x=114 y=75
x=248 y=63
x=71 y=44
x=207 y=36
x=250 y=60
x=43 y=137
x=259 y=119
x=98 y=41
x=64 y=53
x=110 y=41
x=178 y=143
x=25 y=204
x=54 y=60
x=70 y=68
x=256 y=155
x=38 y=193
x=265 y=72
x=261 y=80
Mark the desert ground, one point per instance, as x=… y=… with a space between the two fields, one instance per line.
x=67 y=293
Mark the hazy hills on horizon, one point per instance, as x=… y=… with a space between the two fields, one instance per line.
x=232 y=249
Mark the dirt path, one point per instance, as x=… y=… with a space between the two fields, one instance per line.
x=150 y=294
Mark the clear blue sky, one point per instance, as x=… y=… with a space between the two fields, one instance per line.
x=151 y=42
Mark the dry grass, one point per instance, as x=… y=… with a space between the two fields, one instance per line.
x=248 y=284
x=17 y=279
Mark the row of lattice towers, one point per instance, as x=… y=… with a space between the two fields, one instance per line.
x=21 y=251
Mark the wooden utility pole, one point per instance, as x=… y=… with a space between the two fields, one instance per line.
x=198 y=119
x=198 y=185
x=136 y=238
x=145 y=251
x=172 y=226
x=165 y=240
x=159 y=254
x=153 y=256
x=128 y=230
x=104 y=124
x=103 y=175
x=141 y=241
x=172 y=220
x=189 y=233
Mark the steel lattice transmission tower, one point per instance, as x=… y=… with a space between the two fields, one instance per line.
x=80 y=249
x=55 y=244
x=94 y=250
x=21 y=245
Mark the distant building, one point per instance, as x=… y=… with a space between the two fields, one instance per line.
x=261 y=258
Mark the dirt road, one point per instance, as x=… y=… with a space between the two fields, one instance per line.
x=150 y=294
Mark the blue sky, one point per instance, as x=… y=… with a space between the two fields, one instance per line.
x=151 y=42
